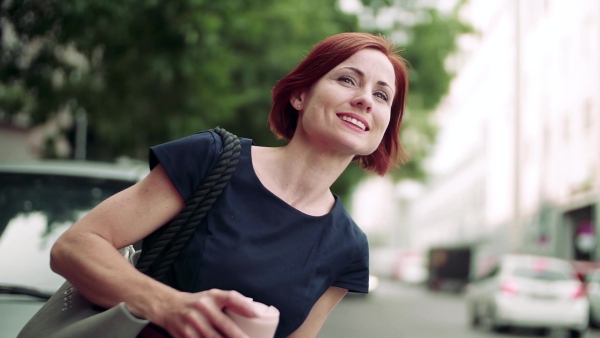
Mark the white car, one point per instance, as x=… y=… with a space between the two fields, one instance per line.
x=593 y=289
x=529 y=291
x=38 y=202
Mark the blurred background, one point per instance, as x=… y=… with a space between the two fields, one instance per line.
x=502 y=126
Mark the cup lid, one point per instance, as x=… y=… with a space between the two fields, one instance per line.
x=265 y=311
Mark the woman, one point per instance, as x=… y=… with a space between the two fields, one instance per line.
x=276 y=234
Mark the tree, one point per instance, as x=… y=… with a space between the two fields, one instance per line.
x=147 y=71
x=173 y=67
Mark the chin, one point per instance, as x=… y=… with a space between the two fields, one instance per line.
x=359 y=146
x=364 y=152
x=367 y=151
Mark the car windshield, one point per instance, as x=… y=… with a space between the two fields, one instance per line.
x=547 y=275
x=35 y=209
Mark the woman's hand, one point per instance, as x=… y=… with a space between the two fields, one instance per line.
x=201 y=315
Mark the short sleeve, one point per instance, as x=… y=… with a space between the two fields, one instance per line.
x=355 y=277
x=188 y=160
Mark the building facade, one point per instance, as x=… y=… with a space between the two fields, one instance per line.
x=517 y=161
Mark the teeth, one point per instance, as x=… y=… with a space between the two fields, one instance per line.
x=354 y=122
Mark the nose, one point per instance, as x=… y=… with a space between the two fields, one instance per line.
x=363 y=100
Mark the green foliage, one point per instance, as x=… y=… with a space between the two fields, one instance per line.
x=148 y=71
x=432 y=41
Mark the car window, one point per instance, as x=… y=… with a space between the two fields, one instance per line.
x=35 y=210
x=547 y=275
x=594 y=276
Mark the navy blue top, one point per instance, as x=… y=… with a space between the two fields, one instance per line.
x=254 y=242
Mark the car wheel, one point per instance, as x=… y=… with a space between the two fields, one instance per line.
x=576 y=333
x=474 y=319
x=494 y=323
x=500 y=328
x=594 y=321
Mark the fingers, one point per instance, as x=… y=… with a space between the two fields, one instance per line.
x=213 y=320
x=235 y=301
x=202 y=328
x=201 y=315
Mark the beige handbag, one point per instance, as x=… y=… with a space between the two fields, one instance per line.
x=72 y=315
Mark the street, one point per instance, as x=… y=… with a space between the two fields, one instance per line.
x=394 y=310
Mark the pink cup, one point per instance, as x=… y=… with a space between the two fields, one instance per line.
x=261 y=326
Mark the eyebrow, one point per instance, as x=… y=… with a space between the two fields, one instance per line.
x=361 y=74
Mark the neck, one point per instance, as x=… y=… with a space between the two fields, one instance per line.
x=300 y=175
x=317 y=167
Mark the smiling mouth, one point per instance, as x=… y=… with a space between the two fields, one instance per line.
x=354 y=121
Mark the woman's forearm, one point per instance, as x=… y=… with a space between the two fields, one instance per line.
x=103 y=276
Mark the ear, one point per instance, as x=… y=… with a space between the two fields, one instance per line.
x=297 y=100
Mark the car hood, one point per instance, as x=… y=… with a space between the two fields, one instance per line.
x=15 y=311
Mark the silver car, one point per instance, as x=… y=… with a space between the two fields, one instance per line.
x=530 y=291
x=38 y=202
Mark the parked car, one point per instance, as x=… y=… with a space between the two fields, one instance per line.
x=529 y=291
x=593 y=289
x=38 y=202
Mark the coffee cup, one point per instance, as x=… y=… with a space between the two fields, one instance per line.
x=263 y=325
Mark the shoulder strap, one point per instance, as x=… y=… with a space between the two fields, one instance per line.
x=179 y=230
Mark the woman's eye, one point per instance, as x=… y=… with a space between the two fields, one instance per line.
x=346 y=79
x=382 y=95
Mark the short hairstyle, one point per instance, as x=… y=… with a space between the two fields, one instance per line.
x=325 y=56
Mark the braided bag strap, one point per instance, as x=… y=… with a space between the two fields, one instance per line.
x=180 y=229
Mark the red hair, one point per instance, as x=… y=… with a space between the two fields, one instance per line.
x=325 y=56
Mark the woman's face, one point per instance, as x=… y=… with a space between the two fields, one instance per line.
x=348 y=109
